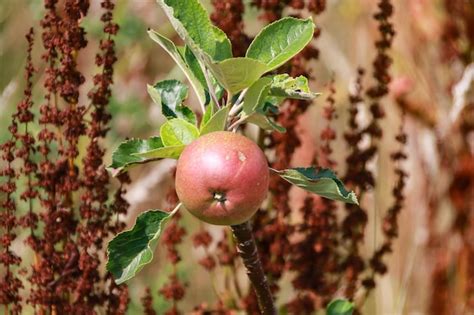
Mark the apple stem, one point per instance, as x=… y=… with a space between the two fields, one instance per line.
x=247 y=249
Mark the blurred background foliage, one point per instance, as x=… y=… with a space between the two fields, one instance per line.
x=422 y=70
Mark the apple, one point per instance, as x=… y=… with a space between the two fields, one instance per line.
x=222 y=178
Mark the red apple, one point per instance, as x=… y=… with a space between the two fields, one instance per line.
x=222 y=178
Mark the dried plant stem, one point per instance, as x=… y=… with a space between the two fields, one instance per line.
x=247 y=249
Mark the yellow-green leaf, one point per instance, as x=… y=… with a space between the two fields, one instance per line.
x=177 y=132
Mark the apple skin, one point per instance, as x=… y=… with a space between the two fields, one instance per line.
x=222 y=178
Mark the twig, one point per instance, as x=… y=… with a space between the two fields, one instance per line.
x=236 y=124
x=238 y=104
x=247 y=249
x=241 y=96
x=235 y=109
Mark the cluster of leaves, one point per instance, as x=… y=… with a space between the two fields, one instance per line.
x=230 y=91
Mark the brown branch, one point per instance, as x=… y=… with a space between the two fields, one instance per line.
x=248 y=251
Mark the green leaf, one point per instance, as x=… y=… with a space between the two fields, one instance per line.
x=319 y=181
x=237 y=74
x=171 y=49
x=193 y=63
x=257 y=108
x=177 y=132
x=187 y=114
x=192 y=23
x=223 y=48
x=273 y=102
x=340 y=307
x=255 y=96
x=265 y=122
x=170 y=152
x=280 y=41
x=154 y=94
x=217 y=122
x=296 y=88
x=130 y=251
x=210 y=110
x=125 y=155
x=170 y=94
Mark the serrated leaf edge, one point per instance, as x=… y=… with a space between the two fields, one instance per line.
x=199 y=90
x=351 y=196
x=148 y=248
x=279 y=21
x=117 y=171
